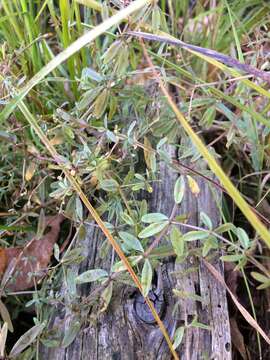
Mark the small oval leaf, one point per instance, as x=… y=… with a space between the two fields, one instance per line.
x=146 y=280
x=243 y=237
x=224 y=228
x=177 y=240
x=106 y=296
x=26 y=339
x=152 y=229
x=91 y=275
x=71 y=333
x=154 y=218
x=205 y=219
x=131 y=241
x=232 y=258
x=178 y=336
x=109 y=185
x=179 y=189
x=260 y=277
x=195 y=235
x=120 y=266
x=127 y=219
x=101 y=103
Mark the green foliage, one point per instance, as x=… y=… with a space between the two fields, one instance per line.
x=105 y=115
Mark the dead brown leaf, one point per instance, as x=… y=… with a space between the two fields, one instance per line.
x=31 y=260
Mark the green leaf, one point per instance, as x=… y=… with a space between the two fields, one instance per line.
x=131 y=241
x=101 y=103
x=79 y=209
x=109 y=185
x=179 y=189
x=243 y=237
x=91 y=74
x=112 y=51
x=26 y=339
x=178 y=336
x=71 y=282
x=122 y=61
x=70 y=210
x=260 y=277
x=224 y=228
x=210 y=243
x=73 y=256
x=154 y=218
x=205 y=219
x=177 y=241
x=120 y=266
x=88 y=97
x=91 y=275
x=143 y=208
x=146 y=280
x=106 y=296
x=199 y=325
x=195 y=235
x=232 y=258
x=263 y=286
x=56 y=251
x=70 y=333
x=208 y=117
x=152 y=229
x=127 y=219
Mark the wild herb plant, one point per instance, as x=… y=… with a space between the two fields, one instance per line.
x=94 y=123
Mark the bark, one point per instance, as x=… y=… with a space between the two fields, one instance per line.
x=126 y=331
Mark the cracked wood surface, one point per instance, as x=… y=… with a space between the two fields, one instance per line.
x=119 y=333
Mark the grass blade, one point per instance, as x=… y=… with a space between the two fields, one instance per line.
x=71 y=50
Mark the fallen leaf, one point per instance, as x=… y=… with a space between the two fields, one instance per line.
x=31 y=260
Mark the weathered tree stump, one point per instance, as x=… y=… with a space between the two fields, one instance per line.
x=127 y=330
